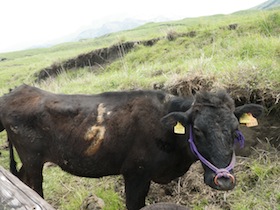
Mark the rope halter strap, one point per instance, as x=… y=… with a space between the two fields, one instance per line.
x=220 y=172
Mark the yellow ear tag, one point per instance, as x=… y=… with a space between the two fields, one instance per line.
x=179 y=128
x=248 y=119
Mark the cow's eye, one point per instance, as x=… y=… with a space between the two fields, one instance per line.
x=225 y=132
x=235 y=134
x=197 y=131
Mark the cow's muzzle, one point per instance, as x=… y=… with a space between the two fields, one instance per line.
x=224 y=180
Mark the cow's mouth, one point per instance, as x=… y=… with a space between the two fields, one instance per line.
x=224 y=181
x=217 y=178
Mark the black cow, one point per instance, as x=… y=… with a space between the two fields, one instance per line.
x=128 y=133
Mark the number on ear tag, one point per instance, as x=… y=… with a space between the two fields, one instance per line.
x=179 y=128
x=248 y=119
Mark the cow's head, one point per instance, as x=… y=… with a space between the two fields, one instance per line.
x=213 y=122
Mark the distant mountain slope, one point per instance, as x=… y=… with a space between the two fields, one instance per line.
x=95 y=30
x=270 y=4
x=109 y=27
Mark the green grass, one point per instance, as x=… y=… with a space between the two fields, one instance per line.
x=65 y=191
x=248 y=56
x=258 y=187
x=254 y=45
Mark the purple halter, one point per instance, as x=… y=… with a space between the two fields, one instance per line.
x=220 y=172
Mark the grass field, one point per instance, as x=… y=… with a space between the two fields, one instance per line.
x=248 y=57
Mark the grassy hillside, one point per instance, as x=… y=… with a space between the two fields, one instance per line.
x=253 y=46
x=247 y=56
x=270 y=4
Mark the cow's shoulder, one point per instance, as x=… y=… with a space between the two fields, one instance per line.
x=24 y=98
x=180 y=104
x=25 y=94
x=25 y=89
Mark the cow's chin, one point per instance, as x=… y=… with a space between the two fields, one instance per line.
x=222 y=183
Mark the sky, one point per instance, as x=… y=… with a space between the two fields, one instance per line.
x=27 y=23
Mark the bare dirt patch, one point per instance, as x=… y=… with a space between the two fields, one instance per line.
x=94 y=60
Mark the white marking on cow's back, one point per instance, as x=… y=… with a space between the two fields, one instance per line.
x=100 y=113
x=96 y=133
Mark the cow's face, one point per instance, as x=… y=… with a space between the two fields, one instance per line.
x=214 y=132
x=214 y=123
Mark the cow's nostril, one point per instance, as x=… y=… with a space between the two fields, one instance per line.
x=225 y=182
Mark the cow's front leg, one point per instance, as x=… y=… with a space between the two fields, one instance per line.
x=136 y=190
x=31 y=175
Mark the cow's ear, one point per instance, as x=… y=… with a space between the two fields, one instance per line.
x=248 y=113
x=255 y=109
x=176 y=121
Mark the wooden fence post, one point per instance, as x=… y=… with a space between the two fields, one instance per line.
x=15 y=195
